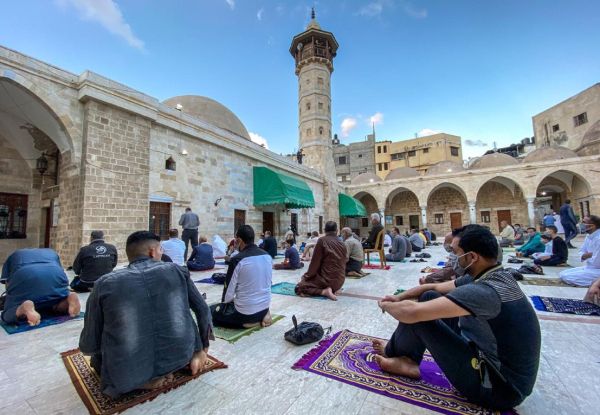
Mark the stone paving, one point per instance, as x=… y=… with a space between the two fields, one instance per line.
x=259 y=380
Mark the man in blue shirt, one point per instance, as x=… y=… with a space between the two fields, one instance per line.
x=36 y=286
x=292 y=258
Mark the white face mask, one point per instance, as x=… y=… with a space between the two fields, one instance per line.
x=456 y=266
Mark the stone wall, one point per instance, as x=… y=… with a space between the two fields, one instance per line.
x=493 y=197
x=446 y=201
x=371 y=206
x=404 y=204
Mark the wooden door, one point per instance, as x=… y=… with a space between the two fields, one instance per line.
x=160 y=219
x=413 y=220
x=503 y=215
x=268 y=222
x=321 y=224
x=239 y=219
x=455 y=220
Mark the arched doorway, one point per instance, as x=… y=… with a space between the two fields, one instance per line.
x=559 y=186
x=447 y=208
x=501 y=199
x=403 y=205
x=362 y=225
x=32 y=139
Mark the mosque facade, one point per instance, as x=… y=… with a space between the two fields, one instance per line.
x=84 y=152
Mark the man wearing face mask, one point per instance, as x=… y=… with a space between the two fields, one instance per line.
x=445 y=274
x=589 y=254
x=533 y=245
x=520 y=235
x=559 y=253
x=481 y=329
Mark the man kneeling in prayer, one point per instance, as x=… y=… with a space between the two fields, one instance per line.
x=138 y=327
x=247 y=292
x=480 y=329
x=36 y=286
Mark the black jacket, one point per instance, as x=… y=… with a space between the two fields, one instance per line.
x=373 y=234
x=559 y=248
x=270 y=245
x=95 y=260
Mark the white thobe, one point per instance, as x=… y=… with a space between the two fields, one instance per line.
x=558 y=224
x=584 y=276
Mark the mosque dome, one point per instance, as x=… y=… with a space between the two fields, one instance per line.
x=548 y=153
x=402 y=173
x=444 y=167
x=365 y=178
x=209 y=111
x=590 y=144
x=493 y=160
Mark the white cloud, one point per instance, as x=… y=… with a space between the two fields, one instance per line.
x=347 y=126
x=372 y=9
x=426 y=131
x=231 y=3
x=108 y=14
x=260 y=13
x=376 y=119
x=415 y=12
x=476 y=143
x=279 y=8
x=261 y=141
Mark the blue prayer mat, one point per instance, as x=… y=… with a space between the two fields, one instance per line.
x=287 y=288
x=46 y=321
x=565 y=305
x=209 y=281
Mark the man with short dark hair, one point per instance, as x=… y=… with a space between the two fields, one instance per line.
x=589 y=254
x=560 y=252
x=292 y=257
x=327 y=271
x=416 y=241
x=92 y=262
x=190 y=222
x=247 y=292
x=270 y=244
x=36 y=286
x=480 y=329
x=174 y=248
x=202 y=257
x=138 y=327
x=397 y=252
x=520 y=235
x=568 y=222
x=369 y=243
x=533 y=245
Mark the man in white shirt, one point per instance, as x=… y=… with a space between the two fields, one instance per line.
x=589 y=253
x=174 y=248
x=247 y=292
x=310 y=246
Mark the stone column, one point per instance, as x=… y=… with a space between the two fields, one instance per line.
x=531 y=210
x=424 y=215
x=472 y=213
x=382 y=216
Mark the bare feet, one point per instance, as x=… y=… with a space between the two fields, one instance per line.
x=250 y=325
x=328 y=292
x=402 y=366
x=266 y=322
x=199 y=360
x=69 y=305
x=158 y=382
x=27 y=311
x=379 y=347
x=354 y=274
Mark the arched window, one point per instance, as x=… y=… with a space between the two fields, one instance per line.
x=308 y=106
x=320 y=130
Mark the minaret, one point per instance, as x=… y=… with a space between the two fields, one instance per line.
x=313 y=51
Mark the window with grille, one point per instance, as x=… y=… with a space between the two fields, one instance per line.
x=343 y=160
x=454 y=151
x=398 y=156
x=378 y=149
x=439 y=218
x=580 y=119
x=425 y=150
x=485 y=217
x=160 y=219
x=555 y=128
x=385 y=149
x=412 y=153
x=13 y=216
x=399 y=220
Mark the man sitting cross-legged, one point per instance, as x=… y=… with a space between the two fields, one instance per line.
x=480 y=329
x=589 y=253
x=327 y=271
x=292 y=257
x=560 y=252
x=354 y=254
x=202 y=257
x=138 y=327
x=398 y=248
x=247 y=292
x=446 y=273
x=36 y=286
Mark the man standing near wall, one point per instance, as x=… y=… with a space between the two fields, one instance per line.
x=568 y=221
x=189 y=221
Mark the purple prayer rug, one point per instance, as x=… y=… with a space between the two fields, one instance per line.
x=349 y=358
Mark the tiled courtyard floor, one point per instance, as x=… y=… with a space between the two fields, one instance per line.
x=259 y=380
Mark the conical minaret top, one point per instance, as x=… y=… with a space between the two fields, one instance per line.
x=313 y=51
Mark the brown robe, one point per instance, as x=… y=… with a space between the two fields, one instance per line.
x=327 y=267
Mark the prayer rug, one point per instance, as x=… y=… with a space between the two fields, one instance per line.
x=220 y=263
x=207 y=270
x=233 y=335
x=565 y=305
x=354 y=277
x=287 y=288
x=88 y=385
x=46 y=321
x=209 y=281
x=548 y=282
x=429 y=269
x=379 y=260
x=349 y=358
x=387 y=267
x=399 y=292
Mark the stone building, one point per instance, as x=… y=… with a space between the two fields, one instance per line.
x=354 y=158
x=565 y=124
x=418 y=153
x=84 y=152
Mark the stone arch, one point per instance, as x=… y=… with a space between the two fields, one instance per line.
x=556 y=187
x=370 y=202
x=501 y=197
x=404 y=206
x=447 y=208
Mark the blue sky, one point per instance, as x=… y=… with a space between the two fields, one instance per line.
x=477 y=69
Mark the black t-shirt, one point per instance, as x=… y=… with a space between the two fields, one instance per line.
x=502 y=324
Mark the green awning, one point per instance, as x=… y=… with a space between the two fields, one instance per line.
x=271 y=188
x=350 y=206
